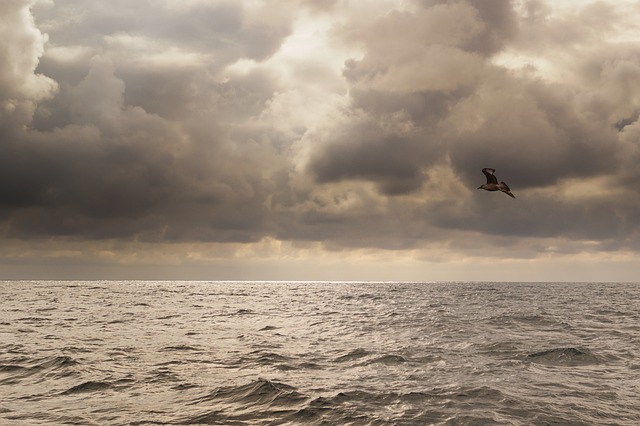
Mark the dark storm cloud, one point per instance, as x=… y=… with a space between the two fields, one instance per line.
x=534 y=133
x=581 y=220
x=141 y=39
x=106 y=158
x=532 y=130
x=392 y=160
x=171 y=121
x=420 y=73
x=404 y=85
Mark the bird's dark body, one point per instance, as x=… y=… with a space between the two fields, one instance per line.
x=493 y=184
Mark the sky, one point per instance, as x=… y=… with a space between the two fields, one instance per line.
x=319 y=139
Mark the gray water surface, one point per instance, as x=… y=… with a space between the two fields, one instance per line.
x=269 y=353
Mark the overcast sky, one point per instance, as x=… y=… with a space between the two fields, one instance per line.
x=319 y=139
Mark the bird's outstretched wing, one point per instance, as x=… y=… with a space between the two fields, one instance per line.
x=488 y=172
x=505 y=188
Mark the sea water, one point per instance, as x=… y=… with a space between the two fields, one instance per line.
x=319 y=353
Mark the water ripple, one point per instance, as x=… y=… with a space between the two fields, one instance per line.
x=319 y=353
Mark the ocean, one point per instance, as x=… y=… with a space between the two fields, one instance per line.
x=319 y=353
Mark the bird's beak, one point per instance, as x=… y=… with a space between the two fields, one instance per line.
x=479 y=187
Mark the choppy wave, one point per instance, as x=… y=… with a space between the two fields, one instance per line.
x=90 y=386
x=196 y=353
x=23 y=368
x=564 y=356
x=277 y=402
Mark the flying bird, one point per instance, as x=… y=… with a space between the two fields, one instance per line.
x=492 y=183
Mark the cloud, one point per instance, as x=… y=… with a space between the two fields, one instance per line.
x=374 y=151
x=344 y=127
x=533 y=132
x=400 y=91
x=428 y=93
x=21 y=45
x=110 y=156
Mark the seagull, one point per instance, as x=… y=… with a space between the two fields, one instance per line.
x=492 y=183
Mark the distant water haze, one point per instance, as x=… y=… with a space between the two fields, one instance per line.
x=387 y=353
